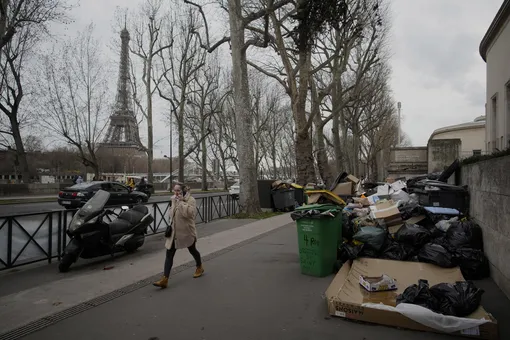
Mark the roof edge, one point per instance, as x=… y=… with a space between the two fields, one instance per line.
x=496 y=25
x=460 y=127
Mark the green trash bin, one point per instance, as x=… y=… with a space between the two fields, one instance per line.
x=318 y=238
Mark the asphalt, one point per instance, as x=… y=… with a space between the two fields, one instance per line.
x=255 y=291
x=27 y=208
x=26 y=277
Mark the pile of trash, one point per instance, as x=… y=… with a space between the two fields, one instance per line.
x=459 y=299
x=393 y=224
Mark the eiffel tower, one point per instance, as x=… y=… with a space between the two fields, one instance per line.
x=123 y=130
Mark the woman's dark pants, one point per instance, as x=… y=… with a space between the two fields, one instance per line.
x=170 y=253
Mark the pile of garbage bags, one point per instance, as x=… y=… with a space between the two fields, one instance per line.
x=459 y=299
x=443 y=240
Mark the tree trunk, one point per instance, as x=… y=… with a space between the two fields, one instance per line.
x=356 y=139
x=180 y=130
x=204 y=157
x=322 y=156
x=248 y=197
x=20 y=149
x=150 y=132
x=303 y=145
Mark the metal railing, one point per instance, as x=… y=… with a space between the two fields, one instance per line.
x=35 y=237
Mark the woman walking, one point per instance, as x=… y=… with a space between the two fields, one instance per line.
x=183 y=232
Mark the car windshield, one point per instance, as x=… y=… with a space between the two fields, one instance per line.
x=95 y=205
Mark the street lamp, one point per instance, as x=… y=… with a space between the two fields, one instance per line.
x=171 y=170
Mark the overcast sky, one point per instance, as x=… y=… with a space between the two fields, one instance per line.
x=438 y=74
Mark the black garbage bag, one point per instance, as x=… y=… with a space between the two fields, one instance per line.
x=472 y=262
x=413 y=234
x=347 y=227
x=436 y=254
x=372 y=237
x=464 y=234
x=460 y=299
x=419 y=295
x=348 y=251
x=436 y=232
x=394 y=251
x=411 y=209
x=441 y=241
x=369 y=252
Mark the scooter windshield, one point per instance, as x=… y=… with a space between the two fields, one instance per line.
x=91 y=209
x=95 y=205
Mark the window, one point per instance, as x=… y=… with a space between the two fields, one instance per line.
x=118 y=188
x=477 y=152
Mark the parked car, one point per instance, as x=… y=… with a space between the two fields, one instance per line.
x=234 y=190
x=77 y=195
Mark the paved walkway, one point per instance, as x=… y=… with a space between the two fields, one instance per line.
x=251 y=290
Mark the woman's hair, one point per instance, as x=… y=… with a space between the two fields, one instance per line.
x=182 y=185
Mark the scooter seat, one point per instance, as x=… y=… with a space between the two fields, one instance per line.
x=119 y=226
x=133 y=216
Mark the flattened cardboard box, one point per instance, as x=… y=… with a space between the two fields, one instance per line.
x=345 y=296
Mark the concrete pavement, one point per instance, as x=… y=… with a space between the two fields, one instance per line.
x=254 y=291
x=43 y=300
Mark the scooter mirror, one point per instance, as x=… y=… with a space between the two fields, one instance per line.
x=125 y=207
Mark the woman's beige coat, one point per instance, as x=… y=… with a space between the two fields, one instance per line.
x=182 y=216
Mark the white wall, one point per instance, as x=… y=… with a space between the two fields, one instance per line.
x=498 y=77
x=471 y=139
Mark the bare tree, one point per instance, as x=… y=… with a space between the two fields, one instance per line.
x=206 y=100
x=146 y=46
x=239 y=20
x=12 y=62
x=15 y=15
x=180 y=65
x=75 y=96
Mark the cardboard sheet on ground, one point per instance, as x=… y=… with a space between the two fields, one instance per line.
x=348 y=299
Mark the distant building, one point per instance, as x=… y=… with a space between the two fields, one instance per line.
x=471 y=135
x=495 y=51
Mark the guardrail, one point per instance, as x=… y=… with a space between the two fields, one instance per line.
x=36 y=237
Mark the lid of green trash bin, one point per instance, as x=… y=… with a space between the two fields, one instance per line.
x=320 y=207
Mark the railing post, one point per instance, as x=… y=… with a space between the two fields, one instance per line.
x=154 y=215
x=9 y=242
x=59 y=242
x=50 y=237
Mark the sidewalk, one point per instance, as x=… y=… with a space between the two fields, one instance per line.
x=44 y=300
x=251 y=290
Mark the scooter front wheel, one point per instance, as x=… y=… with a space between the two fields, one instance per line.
x=66 y=262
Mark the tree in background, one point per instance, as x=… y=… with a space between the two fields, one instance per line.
x=75 y=95
x=146 y=46
x=22 y=25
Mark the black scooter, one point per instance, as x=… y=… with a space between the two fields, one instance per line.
x=91 y=236
x=146 y=188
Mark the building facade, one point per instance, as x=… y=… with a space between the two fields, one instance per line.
x=495 y=51
x=471 y=135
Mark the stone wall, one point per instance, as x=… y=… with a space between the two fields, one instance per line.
x=442 y=153
x=489 y=189
x=407 y=162
x=31 y=189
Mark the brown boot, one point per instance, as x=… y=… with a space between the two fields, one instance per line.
x=199 y=271
x=163 y=283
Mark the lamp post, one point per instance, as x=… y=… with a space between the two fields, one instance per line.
x=170 y=157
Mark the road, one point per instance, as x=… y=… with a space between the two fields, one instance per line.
x=27 y=208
